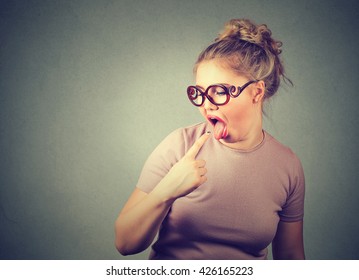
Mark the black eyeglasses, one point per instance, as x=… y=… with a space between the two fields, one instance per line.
x=217 y=94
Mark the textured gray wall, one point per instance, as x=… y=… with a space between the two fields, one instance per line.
x=89 y=88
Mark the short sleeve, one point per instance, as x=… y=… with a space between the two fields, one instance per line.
x=293 y=209
x=161 y=160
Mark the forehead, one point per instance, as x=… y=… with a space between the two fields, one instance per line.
x=214 y=72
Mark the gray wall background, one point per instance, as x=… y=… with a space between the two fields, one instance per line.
x=89 y=88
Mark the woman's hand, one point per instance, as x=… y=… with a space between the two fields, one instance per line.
x=185 y=176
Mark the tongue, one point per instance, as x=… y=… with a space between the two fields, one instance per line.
x=219 y=130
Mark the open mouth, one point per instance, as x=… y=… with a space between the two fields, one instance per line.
x=213 y=121
x=219 y=127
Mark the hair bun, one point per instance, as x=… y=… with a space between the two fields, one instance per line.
x=246 y=30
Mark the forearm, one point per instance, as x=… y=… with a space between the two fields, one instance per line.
x=137 y=227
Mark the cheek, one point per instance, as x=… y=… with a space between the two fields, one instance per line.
x=238 y=112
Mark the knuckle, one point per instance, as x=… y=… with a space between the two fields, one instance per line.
x=203 y=179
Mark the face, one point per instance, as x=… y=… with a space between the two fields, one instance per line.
x=241 y=118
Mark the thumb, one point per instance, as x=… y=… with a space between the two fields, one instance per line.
x=193 y=151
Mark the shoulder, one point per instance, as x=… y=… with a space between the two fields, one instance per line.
x=185 y=136
x=280 y=151
x=284 y=157
x=287 y=161
x=167 y=153
x=193 y=132
x=176 y=143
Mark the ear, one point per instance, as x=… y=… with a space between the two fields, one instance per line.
x=259 y=91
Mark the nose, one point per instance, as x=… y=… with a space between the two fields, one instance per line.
x=208 y=105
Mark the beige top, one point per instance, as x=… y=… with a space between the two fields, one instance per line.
x=235 y=213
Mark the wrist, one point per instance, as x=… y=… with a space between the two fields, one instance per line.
x=162 y=194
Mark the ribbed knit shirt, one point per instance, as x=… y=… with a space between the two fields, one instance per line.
x=235 y=213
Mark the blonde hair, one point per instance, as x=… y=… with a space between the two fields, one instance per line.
x=248 y=49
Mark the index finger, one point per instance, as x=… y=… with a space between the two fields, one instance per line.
x=193 y=151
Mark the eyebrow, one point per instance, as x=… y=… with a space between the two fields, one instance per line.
x=224 y=84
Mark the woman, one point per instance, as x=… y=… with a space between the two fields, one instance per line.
x=225 y=188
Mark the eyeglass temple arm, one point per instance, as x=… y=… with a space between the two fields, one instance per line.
x=242 y=88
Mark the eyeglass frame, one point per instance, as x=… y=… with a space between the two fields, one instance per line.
x=230 y=91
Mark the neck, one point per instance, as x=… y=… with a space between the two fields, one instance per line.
x=248 y=140
x=245 y=144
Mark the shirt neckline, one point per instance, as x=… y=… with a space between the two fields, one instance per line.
x=245 y=151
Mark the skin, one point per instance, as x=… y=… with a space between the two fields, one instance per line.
x=142 y=215
x=242 y=115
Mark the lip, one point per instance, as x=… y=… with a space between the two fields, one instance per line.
x=210 y=119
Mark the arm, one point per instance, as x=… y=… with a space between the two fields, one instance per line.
x=139 y=221
x=142 y=215
x=288 y=242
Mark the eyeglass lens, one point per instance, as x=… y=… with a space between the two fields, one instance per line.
x=217 y=94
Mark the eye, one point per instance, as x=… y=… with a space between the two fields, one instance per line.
x=218 y=91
